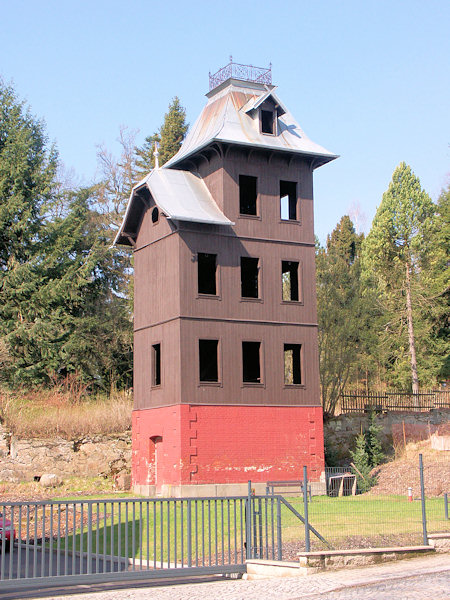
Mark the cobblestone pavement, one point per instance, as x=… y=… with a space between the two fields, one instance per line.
x=415 y=579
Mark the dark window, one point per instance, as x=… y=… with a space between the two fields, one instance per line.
x=247 y=195
x=155 y=215
x=249 y=277
x=289 y=280
x=156 y=363
x=207 y=350
x=292 y=364
x=251 y=370
x=288 y=200
x=206 y=273
x=267 y=121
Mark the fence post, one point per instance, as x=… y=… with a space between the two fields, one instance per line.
x=248 y=522
x=305 y=504
x=279 y=540
x=446 y=506
x=422 y=496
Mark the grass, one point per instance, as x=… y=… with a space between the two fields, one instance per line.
x=159 y=532
x=66 y=410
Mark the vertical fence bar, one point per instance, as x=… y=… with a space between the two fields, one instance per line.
x=50 y=552
x=422 y=495
x=27 y=544
x=97 y=538
x=168 y=533
x=81 y=535
x=154 y=534
x=35 y=541
x=111 y=548
x=148 y=533
x=126 y=534
x=189 y=532
x=248 y=524
x=119 y=536
x=279 y=540
x=272 y=526
x=182 y=531
x=58 y=543
x=105 y=535
x=133 y=536
x=305 y=504
x=446 y=506
x=89 y=540
x=11 y=542
x=66 y=542
x=43 y=543
x=175 y=529
x=19 y=545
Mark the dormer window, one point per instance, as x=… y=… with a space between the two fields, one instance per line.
x=268 y=123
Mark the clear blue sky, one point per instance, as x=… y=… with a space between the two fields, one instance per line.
x=369 y=80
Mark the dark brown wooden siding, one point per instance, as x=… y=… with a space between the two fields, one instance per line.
x=169 y=310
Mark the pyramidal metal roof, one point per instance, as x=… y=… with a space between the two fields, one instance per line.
x=231 y=116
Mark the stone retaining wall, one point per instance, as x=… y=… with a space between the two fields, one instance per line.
x=340 y=432
x=25 y=459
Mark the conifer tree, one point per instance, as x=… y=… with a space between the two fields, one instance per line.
x=169 y=139
x=374 y=446
x=341 y=310
x=395 y=257
x=361 y=461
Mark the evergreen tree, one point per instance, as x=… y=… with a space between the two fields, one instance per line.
x=145 y=160
x=27 y=177
x=396 y=256
x=374 y=446
x=173 y=131
x=169 y=139
x=361 y=461
x=340 y=310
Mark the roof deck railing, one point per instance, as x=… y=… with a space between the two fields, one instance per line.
x=241 y=72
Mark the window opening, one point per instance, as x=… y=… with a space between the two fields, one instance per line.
x=247 y=195
x=292 y=364
x=267 y=121
x=155 y=215
x=249 y=277
x=288 y=200
x=251 y=370
x=156 y=360
x=289 y=280
x=209 y=370
x=207 y=273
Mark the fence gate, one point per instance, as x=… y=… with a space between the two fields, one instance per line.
x=72 y=542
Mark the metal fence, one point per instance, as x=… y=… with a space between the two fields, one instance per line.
x=395 y=401
x=101 y=540
x=406 y=503
x=80 y=541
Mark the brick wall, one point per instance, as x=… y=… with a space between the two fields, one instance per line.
x=226 y=444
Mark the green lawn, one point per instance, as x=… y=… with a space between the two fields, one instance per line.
x=160 y=531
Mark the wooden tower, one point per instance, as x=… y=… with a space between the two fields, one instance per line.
x=226 y=380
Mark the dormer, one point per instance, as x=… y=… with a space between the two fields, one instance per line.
x=267 y=108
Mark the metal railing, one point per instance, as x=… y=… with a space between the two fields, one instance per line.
x=395 y=401
x=241 y=72
x=102 y=540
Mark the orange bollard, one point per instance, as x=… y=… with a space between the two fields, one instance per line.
x=410 y=498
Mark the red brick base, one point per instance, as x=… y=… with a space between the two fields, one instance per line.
x=192 y=444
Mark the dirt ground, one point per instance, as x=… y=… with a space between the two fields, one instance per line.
x=396 y=476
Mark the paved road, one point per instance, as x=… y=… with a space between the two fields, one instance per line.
x=425 y=578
